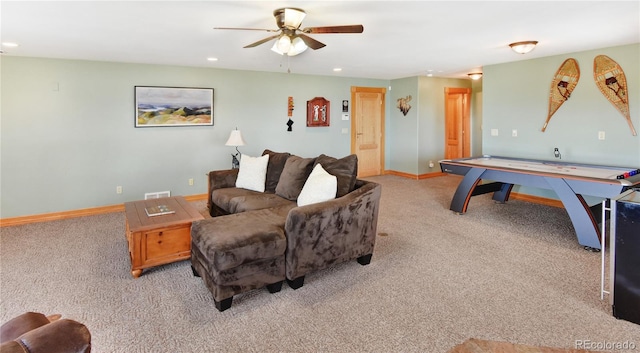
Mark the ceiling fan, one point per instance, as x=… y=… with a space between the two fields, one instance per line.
x=292 y=40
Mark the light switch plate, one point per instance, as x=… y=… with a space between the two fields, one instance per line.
x=345 y=116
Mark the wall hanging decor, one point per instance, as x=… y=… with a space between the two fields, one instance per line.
x=612 y=82
x=403 y=105
x=290 y=113
x=318 y=112
x=173 y=106
x=563 y=83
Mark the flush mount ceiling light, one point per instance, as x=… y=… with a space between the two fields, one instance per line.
x=475 y=75
x=523 y=47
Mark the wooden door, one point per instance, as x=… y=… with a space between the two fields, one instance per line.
x=457 y=123
x=367 y=129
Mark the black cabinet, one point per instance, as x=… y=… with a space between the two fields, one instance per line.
x=625 y=259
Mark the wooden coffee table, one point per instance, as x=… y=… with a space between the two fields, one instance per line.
x=162 y=239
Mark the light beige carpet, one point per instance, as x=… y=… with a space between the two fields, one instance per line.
x=509 y=272
x=474 y=345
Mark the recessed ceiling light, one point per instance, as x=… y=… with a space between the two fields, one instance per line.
x=337 y=69
x=9 y=44
x=212 y=59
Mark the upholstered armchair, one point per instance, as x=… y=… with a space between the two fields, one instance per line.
x=36 y=333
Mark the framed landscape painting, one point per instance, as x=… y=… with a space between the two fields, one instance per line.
x=173 y=106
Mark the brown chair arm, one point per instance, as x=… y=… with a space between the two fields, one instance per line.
x=21 y=324
x=61 y=336
x=219 y=179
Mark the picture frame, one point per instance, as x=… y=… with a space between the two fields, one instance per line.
x=160 y=106
x=318 y=110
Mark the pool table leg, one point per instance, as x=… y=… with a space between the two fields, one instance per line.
x=464 y=191
x=584 y=222
x=502 y=195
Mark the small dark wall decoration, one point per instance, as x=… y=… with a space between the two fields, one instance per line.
x=318 y=112
x=290 y=113
x=403 y=104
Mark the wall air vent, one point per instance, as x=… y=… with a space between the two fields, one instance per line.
x=157 y=195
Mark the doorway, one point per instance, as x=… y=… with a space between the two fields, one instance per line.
x=367 y=129
x=457 y=123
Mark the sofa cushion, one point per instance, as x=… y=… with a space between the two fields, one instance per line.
x=319 y=187
x=252 y=173
x=222 y=197
x=345 y=169
x=250 y=202
x=295 y=173
x=274 y=168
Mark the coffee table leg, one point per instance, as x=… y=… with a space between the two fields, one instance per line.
x=136 y=273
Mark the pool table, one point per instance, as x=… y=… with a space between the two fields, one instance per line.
x=570 y=181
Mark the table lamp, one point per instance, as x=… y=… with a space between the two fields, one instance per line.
x=235 y=140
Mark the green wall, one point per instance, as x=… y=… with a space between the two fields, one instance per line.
x=418 y=138
x=515 y=96
x=68 y=135
x=401 y=131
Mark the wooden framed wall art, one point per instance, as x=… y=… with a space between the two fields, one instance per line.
x=173 y=106
x=318 y=112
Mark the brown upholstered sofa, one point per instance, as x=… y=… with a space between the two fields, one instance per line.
x=35 y=332
x=259 y=238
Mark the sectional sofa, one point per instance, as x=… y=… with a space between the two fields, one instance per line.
x=281 y=216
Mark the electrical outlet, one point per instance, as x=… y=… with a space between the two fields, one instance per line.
x=514 y=133
x=600 y=135
x=118 y=189
x=494 y=132
x=191 y=182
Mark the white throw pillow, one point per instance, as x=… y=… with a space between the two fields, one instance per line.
x=253 y=172
x=320 y=186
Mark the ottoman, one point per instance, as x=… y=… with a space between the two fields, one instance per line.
x=240 y=252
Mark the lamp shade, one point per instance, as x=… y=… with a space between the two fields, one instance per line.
x=293 y=17
x=523 y=47
x=296 y=46
x=235 y=139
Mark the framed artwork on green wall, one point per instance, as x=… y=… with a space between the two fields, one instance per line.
x=173 y=106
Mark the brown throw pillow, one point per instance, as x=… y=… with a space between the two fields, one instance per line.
x=295 y=173
x=345 y=169
x=274 y=168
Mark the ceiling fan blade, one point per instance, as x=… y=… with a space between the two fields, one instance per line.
x=310 y=42
x=261 y=41
x=335 y=29
x=248 y=29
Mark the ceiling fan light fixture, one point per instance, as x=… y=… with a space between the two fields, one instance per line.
x=296 y=47
x=284 y=43
x=293 y=17
x=523 y=47
x=475 y=75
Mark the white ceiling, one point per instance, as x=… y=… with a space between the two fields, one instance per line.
x=400 y=38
